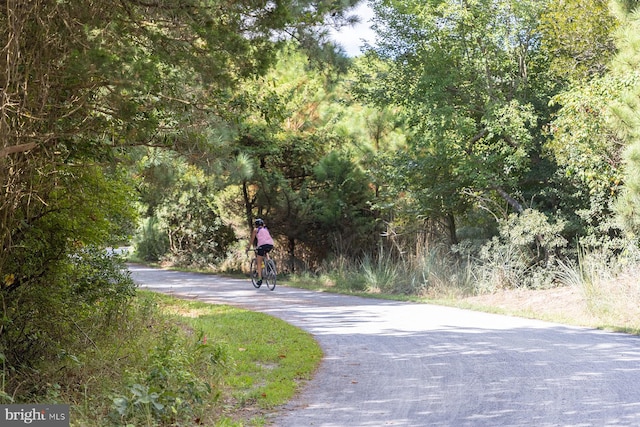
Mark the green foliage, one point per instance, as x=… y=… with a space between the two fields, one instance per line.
x=99 y=278
x=56 y=275
x=190 y=217
x=145 y=360
x=43 y=322
x=85 y=80
x=585 y=141
x=525 y=254
x=86 y=206
x=156 y=171
x=183 y=225
x=457 y=135
x=626 y=123
x=297 y=171
x=216 y=361
x=472 y=88
x=578 y=37
x=151 y=243
x=589 y=154
x=172 y=388
x=343 y=205
x=169 y=362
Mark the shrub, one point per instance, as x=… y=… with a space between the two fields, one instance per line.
x=172 y=389
x=151 y=243
x=525 y=253
x=186 y=228
x=44 y=322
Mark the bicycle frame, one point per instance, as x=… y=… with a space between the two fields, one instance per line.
x=269 y=272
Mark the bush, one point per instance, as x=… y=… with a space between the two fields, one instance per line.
x=525 y=254
x=172 y=389
x=87 y=294
x=186 y=228
x=151 y=243
x=426 y=272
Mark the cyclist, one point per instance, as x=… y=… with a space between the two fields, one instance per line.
x=264 y=244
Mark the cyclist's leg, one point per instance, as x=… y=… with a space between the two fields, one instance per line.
x=254 y=273
x=260 y=263
x=260 y=253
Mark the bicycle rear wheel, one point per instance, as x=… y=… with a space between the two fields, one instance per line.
x=253 y=272
x=270 y=274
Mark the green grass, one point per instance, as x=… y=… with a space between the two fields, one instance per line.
x=175 y=362
x=270 y=357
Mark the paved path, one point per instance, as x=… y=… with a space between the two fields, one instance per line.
x=401 y=364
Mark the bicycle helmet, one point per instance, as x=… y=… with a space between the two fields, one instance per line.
x=259 y=222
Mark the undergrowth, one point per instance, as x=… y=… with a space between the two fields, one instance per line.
x=170 y=362
x=608 y=286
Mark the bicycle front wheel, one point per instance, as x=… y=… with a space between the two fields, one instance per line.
x=253 y=272
x=270 y=274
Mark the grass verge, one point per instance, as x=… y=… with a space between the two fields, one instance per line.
x=269 y=358
x=184 y=363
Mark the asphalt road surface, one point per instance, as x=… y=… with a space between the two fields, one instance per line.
x=402 y=364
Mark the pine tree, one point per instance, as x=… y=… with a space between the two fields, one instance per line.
x=626 y=111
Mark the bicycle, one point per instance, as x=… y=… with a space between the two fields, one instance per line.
x=269 y=272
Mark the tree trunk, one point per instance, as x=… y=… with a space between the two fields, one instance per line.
x=292 y=254
x=451 y=226
x=248 y=205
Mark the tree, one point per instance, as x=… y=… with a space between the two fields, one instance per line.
x=625 y=109
x=82 y=80
x=181 y=220
x=80 y=83
x=278 y=136
x=578 y=37
x=473 y=89
x=295 y=165
x=343 y=213
x=589 y=154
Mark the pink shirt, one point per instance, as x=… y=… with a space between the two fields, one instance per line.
x=264 y=238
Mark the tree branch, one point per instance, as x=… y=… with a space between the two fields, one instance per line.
x=21 y=148
x=510 y=200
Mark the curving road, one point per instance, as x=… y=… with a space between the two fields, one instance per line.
x=402 y=364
